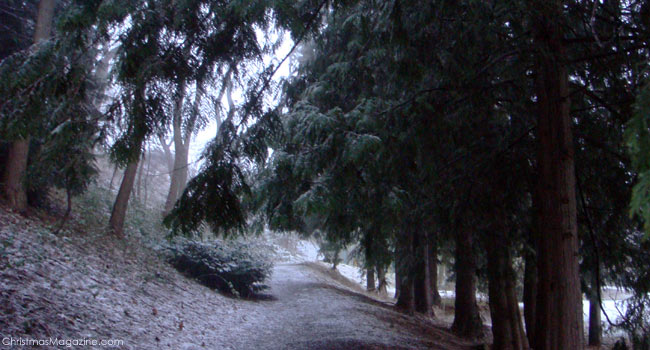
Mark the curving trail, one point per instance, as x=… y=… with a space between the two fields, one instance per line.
x=308 y=310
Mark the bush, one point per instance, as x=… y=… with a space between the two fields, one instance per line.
x=234 y=268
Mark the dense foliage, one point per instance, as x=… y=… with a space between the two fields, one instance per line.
x=234 y=268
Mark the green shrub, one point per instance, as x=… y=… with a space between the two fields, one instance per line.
x=234 y=268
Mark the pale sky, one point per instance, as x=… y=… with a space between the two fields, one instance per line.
x=208 y=133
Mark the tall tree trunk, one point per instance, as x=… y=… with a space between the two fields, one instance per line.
x=187 y=137
x=398 y=280
x=530 y=269
x=507 y=328
x=118 y=214
x=370 y=279
x=595 y=325
x=530 y=294
x=184 y=171
x=559 y=302
x=169 y=157
x=14 y=175
x=519 y=334
x=138 y=191
x=422 y=283
x=368 y=246
x=110 y=184
x=146 y=178
x=404 y=270
x=381 y=280
x=433 y=270
x=179 y=149
x=467 y=320
x=102 y=75
x=16 y=166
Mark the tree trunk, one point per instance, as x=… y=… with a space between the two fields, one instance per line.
x=422 y=283
x=559 y=302
x=404 y=270
x=16 y=166
x=530 y=294
x=530 y=261
x=14 y=176
x=381 y=280
x=179 y=149
x=467 y=320
x=433 y=271
x=187 y=137
x=398 y=279
x=138 y=191
x=184 y=171
x=169 y=158
x=44 y=20
x=102 y=75
x=110 y=184
x=507 y=328
x=118 y=214
x=595 y=326
x=146 y=179
x=368 y=246
x=370 y=279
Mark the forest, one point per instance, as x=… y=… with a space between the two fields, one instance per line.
x=506 y=140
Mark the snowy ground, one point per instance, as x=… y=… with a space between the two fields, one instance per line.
x=84 y=285
x=613 y=301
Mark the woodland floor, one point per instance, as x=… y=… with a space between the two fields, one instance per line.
x=83 y=285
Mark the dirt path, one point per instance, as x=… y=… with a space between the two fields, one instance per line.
x=90 y=286
x=307 y=311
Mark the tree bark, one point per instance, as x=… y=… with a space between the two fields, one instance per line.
x=404 y=270
x=530 y=268
x=187 y=137
x=595 y=326
x=16 y=166
x=14 y=176
x=146 y=178
x=169 y=158
x=370 y=279
x=530 y=294
x=138 y=191
x=368 y=246
x=507 y=328
x=559 y=302
x=102 y=75
x=110 y=184
x=118 y=214
x=467 y=320
x=398 y=279
x=422 y=284
x=381 y=280
x=44 y=20
x=179 y=149
x=433 y=271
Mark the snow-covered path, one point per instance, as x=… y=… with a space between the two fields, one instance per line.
x=306 y=311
